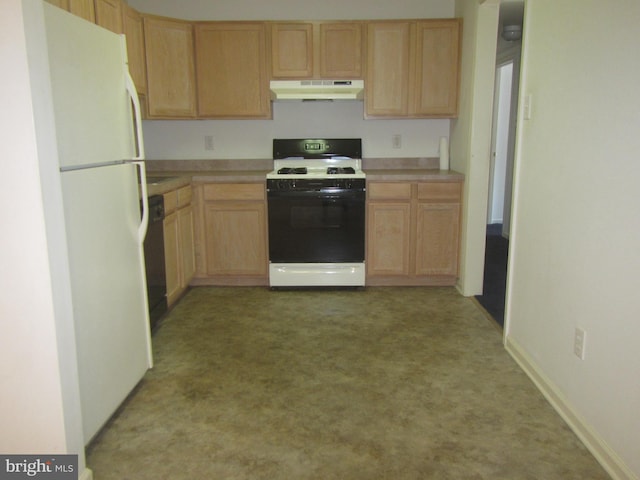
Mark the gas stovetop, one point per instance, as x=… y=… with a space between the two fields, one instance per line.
x=327 y=171
x=317 y=158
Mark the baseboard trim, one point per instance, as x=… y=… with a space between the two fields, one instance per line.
x=609 y=460
x=86 y=474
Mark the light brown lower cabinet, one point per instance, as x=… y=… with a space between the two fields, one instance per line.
x=178 y=242
x=413 y=233
x=231 y=242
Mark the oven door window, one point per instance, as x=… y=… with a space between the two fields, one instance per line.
x=313 y=229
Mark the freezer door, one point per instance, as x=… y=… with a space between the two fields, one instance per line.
x=93 y=112
x=108 y=287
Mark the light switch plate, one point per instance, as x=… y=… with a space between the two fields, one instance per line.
x=526 y=107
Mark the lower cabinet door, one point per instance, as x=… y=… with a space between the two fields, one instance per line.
x=437 y=239
x=388 y=238
x=187 y=252
x=172 y=263
x=234 y=238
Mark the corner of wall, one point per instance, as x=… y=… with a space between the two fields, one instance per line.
x=86 y=474
x=609 y=460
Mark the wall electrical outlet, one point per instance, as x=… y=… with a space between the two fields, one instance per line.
x=579 y=343
x=396 y=141
x=208 y=142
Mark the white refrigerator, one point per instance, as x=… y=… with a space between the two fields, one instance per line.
x=100 y=151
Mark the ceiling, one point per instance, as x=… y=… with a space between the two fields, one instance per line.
x=511 y=12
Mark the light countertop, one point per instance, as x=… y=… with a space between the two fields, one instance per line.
x=164 y=176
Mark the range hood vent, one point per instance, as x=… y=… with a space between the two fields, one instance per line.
x=317 y=89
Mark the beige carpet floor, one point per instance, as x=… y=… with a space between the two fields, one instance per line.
x=381 y=383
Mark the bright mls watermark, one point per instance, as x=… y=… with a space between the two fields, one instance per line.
x=51 y=467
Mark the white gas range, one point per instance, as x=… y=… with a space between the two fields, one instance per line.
x=316 y=203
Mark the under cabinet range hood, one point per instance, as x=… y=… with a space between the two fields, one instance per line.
x=317 y=89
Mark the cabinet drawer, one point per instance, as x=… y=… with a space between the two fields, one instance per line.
x=439 y=191
x=234 y=191
x=170 y=201
x=383 y=190
x=184 y=196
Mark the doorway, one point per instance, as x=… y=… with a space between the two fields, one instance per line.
x=498 y=210
x=500 y=184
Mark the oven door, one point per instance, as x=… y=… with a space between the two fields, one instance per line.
x=316 y=226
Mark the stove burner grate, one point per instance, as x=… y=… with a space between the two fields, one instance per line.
x=292 y=171
x=340 y=170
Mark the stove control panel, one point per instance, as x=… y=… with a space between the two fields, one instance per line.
x=316 y=184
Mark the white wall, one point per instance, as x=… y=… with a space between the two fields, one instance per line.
x=511 y=54
x=575 y=251
x=253 y=138
x=471 y=133
x=184 y=139
x=39 y=405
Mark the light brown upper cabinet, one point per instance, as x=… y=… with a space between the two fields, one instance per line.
x=231 y=70
x=437 y=66
x=292 y=50
x=316 y=50
x=81 y=8
x=109 y=14
x=413 y=68
x=171 y=91
x=341 y=50
x=63 y=4
x=134 y=31
x=387 y=79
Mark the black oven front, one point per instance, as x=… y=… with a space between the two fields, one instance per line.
x=316 y=220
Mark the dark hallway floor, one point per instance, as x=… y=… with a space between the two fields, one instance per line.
x=495 y=273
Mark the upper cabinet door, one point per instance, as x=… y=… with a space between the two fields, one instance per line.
x=134 y=31
x=170 y=68
x=231 y=70
x=341 y=50
x=437 y=68
x=109 y=14
x=63 y=4
x=387 y=79
x=413 y=69
x=317 y=50
x=83 y=9
x=292 y=50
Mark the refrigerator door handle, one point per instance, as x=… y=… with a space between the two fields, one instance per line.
x=131 y=89
x=138 y=160
x=144 y=221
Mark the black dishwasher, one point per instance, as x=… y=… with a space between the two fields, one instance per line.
x=154 y=260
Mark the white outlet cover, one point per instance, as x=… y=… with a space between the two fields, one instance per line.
x=579 y=343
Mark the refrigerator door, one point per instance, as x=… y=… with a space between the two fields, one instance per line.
x=96 y=137
x=91 y=103
x=108 y=287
